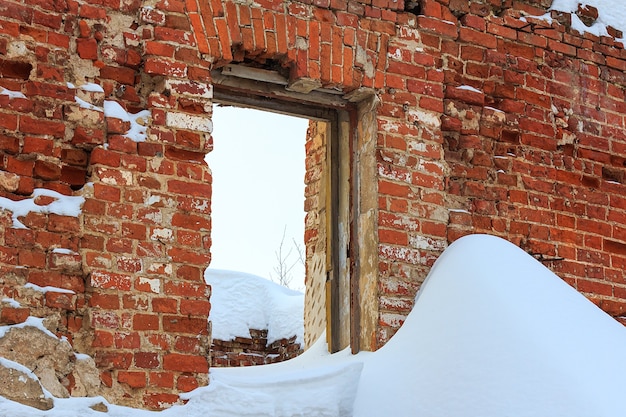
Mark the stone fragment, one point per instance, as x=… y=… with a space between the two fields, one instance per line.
x=22 y=387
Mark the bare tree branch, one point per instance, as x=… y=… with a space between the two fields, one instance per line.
x=284 y=264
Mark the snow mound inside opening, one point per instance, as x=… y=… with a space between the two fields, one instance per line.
x=240 y=302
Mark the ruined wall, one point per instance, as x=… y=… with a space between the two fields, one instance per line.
x=253 y=350
x=315 y=238
x=496 y=122
x=126 y=273
x=486 y=122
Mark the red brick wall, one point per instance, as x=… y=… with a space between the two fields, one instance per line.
x=141 y=244
x=535 y=155
x=253 y=350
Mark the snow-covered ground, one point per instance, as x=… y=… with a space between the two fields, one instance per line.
x=493 y=333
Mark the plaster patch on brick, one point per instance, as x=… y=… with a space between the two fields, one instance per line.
x=156 y=217
x=149 y=15
x=161 y=234
x=389 y=126
x=155 y=164
x=202 y=205
x=118 y=23
x=396 y=54
x=427 y=243
x=417 y=146
x=190 y=88
x=407 y=223
x=302 y=43
x=469 y=123
x=160 y=268
x=403 y=254
x=189 y=122
x=393 y=319
x=120 y=177
x=153 y=283
x=81 y=69
x=363 y=59
x=17 y=49
x=438 y=214
x=389 y=172
x=428 y=165
x=428 y=119
x=9 y=181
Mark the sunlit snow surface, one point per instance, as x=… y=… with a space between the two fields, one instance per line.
x=493 y=333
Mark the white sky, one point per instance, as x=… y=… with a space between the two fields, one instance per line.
x=258 y=189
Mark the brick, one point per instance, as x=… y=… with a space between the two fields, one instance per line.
x=113 y=360
x=157 y=401
x=148 y=360
x=188 y=256
x=109 y=280
x=164 y=305
x=185 y=363
x=105 y=301
x=102 y=339
x=134 y=379
x=127 y=340
x=187 y=345
x=195 y=307
x=13 y=315
x=145 y=322
x=61 y=301
x=186 y=383
x=42 y=127
x=183 y=324
x=162 y=379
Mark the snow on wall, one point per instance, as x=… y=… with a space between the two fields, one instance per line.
x=62 y=205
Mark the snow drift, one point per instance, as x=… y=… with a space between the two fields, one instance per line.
x=493 y=333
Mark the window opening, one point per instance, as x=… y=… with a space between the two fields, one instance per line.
x=328 y=262
x=258 y=193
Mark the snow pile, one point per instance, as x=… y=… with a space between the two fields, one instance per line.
x=62 y=205
x=493 y=333
x=610 y=13
x=240 y=302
